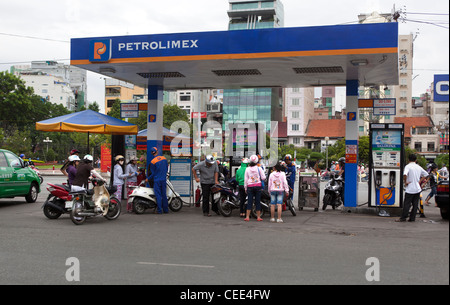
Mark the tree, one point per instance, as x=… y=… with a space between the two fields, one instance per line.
x=94 y=107
x=16 y=103
x=364 y=148
x=115 y=109
x=173 y=113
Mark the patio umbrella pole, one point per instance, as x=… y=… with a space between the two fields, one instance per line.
x=88 y=144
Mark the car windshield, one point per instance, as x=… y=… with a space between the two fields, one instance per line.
x=3 y=162
x=14 y=161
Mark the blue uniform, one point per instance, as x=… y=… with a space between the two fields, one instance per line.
x=159 y=168
x=290 y=175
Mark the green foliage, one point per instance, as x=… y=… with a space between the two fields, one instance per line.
x=442 y=160
x=115 y=109
x=173 y=113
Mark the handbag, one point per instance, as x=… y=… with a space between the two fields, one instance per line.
x=263 y=185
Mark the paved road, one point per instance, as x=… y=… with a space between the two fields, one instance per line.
x=325 y=247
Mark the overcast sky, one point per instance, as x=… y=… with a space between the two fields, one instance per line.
x=56 y=21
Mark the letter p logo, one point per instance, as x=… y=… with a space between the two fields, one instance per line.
x=100 y=50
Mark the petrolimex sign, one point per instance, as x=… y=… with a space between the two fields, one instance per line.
x=102 y=50
x=441 y=88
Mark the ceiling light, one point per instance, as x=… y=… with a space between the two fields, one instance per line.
x=107 y=70
x=313 y=70
x=359 y=62
x=245 y=72
x=161 y=75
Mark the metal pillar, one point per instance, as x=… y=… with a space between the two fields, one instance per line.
x=351 y=144
x=155 y=120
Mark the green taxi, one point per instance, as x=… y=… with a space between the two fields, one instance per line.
x=16 y=178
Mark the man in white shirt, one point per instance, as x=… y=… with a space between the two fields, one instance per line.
x=411 y=180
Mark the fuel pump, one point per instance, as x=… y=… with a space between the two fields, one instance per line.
x=386 y=165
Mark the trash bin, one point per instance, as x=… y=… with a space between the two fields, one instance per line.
x=309 y=192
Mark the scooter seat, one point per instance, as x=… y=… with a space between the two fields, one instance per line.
x=66 y=187
x=83 y=192
x=112 y=189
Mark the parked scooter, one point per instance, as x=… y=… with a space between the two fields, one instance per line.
x=41 y=179
x=333 y=192
x=265 y=204
x=229 y=197
x=143 y=198
x=58 y=201
x=94 y=203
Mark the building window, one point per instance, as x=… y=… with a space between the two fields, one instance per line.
x=295 y=102
x=431 y=146
x=245 y=6
x=295 y=127
x=418 y=146
x=296 y=140
x=110 y=103
x=295 y=114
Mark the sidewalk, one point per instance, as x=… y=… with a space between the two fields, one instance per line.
x=57 y=172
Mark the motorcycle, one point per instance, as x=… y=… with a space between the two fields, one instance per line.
x=265 y=204
x=143 y=198
x=95 y=202
x=229 y=197
x=333 y=192
x=41 y=179
x=58 y=202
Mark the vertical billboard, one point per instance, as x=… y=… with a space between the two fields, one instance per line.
x=441 y=88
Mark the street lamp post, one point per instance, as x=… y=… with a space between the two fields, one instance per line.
x=47 y=140
x=326 y=144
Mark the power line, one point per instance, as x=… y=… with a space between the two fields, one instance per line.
x=33 y=37
x=27 y=61
x=427 y=22
x=430 y=14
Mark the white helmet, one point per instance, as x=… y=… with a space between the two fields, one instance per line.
x=254 y=159
x=74 y=158
x=88 y=158
x=210 y=159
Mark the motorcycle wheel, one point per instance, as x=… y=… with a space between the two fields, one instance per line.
x=114 y=209
x=224 y=208
x=139 y=206
x=50 y=212
x=326 y=201
x=291 y=207
x=41 y=179
x=78 y=206
x=253 y=212
x=176 y=204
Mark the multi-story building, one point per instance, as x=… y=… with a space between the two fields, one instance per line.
x=254 y=104
x=126 y=92
x=50 y=88
x=403 y=92
x=66 y=76
x=299 y=110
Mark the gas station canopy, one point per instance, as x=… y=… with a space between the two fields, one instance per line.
x=283 y=57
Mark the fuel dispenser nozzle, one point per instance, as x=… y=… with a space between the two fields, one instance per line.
x=392 y=179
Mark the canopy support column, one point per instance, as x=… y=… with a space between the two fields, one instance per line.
x=351 y=145
x=155 y=120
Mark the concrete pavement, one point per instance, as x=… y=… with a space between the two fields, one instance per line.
x=325 y=247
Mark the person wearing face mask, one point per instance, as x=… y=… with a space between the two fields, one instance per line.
x=119 y=176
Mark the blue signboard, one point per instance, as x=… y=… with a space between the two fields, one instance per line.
x=441 y=88
x=211 y=45
x=180 y=176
